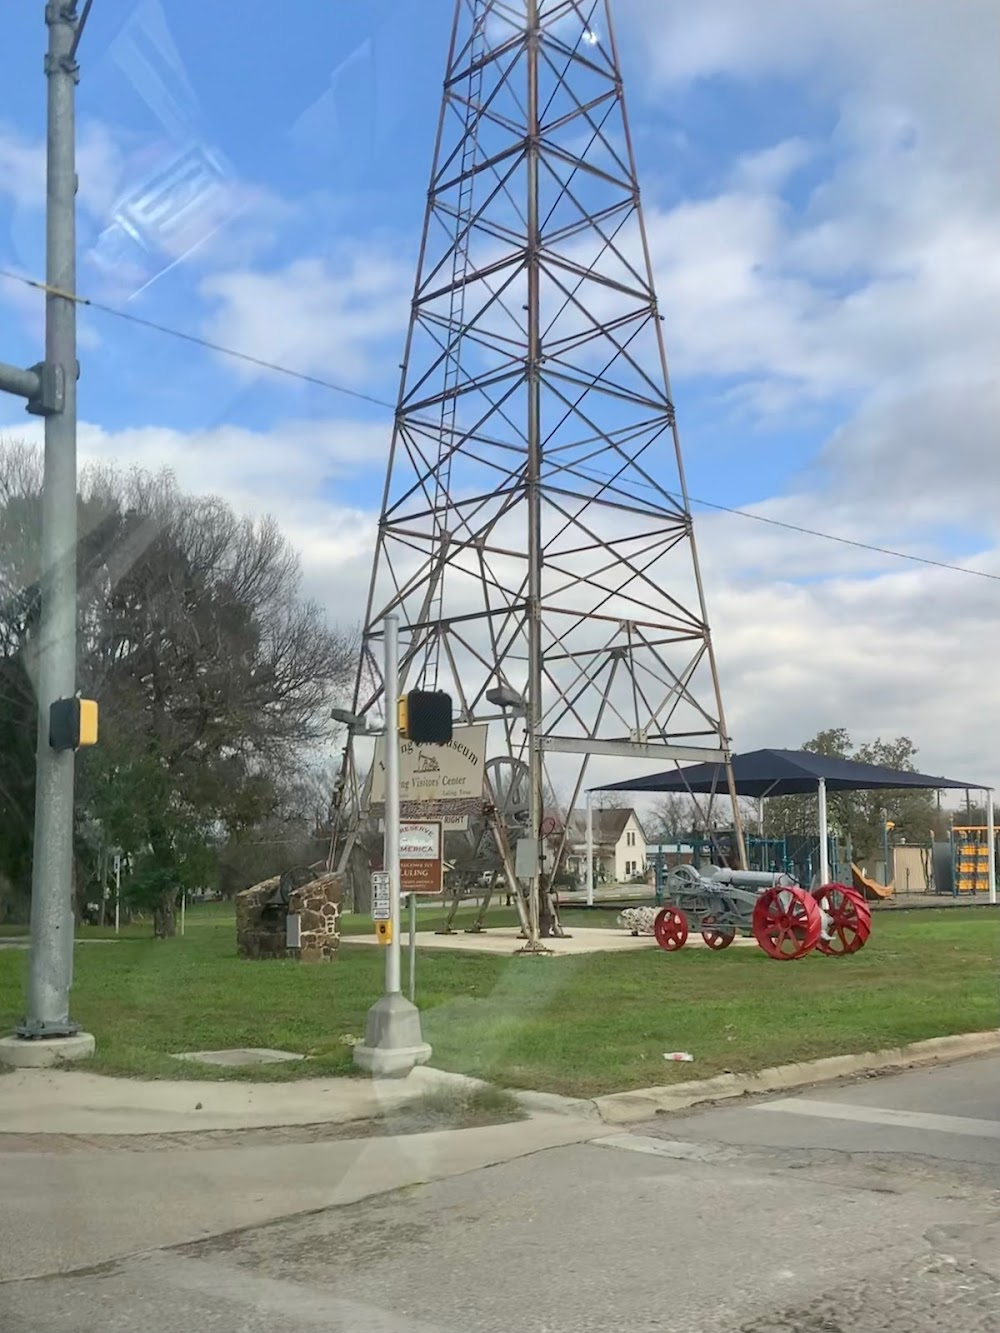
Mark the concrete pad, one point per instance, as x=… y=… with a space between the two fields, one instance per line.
x=581 y=940
x=45 y=1052
x=239 y=1057
x=62 y=1212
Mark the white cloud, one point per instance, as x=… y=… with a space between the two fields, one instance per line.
x=323 y=318
x=771 y=167
x=99 y=161
x=295 y=472
x=881 y=288
x=935 y=58
x=22 y=168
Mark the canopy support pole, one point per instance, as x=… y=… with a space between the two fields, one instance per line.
x=824 y=851
x=991 y=847
x=590 y=849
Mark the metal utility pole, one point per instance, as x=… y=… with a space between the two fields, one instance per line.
x=390 y=859
x=393 y=1041
x=50 y=389
x=535 y=496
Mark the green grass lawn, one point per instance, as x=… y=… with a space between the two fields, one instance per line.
x=582 y=1025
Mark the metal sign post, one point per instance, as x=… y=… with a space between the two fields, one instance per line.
x=393 y=1041
x=118 y=891
x=413 y=948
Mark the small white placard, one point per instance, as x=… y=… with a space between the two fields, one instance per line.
x=380 y=895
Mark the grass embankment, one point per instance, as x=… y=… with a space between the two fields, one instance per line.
x=577 y=1025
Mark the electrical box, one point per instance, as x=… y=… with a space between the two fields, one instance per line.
x=425 y=717
x=293 y=931
x=73 y=724
x=526 y=858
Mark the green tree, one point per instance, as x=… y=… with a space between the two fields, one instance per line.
x=859 y=817
x=214 y=674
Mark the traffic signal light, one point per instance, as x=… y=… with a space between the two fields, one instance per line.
x=425 y=717
x=72 y=724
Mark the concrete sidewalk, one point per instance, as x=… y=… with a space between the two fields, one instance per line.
x=506 y=940
x=70 y=1101
x=64 y=1211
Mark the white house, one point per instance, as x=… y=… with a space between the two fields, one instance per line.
x=619 y=846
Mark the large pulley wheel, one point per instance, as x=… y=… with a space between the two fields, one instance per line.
x=716 y=936
x=850 y=919
x=786 y=923
x=681 y=879
x=671 y=929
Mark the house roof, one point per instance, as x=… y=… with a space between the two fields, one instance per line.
x=786 y=773
x=609 y=825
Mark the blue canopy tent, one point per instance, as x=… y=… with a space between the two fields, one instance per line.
x=763 y=773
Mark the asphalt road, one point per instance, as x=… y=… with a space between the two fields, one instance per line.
x=845 y=1209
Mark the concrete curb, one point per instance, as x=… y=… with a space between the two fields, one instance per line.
x=551 y=1103
x=622 y=1108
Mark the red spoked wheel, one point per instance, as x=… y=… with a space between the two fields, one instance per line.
x=786 y=923
x=716 y=936
x=850 y=919
x=671 y=929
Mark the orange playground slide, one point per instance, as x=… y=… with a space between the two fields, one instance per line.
x=870 y=887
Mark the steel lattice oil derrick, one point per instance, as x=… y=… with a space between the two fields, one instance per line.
x=535 y=536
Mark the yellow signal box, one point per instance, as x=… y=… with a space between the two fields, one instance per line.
x=73 y=723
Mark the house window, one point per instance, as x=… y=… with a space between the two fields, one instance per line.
x=630 y=839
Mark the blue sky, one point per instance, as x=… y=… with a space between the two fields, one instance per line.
x=333 y=118
x=823 y=228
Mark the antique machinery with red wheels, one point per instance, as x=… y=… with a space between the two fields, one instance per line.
x=850 y=916
x=671 y=929
x=787 y=921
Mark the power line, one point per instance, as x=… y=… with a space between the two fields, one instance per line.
x=278 y=369
x=594 y=475
x=850 y=541
x=80 y=25
x=198 y=341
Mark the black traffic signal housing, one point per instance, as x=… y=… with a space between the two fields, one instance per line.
x=425 y=717
x=72 y=724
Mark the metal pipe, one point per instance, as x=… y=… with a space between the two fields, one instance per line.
x=749 y=878
x=533 y=474
x=590 y=849
x=824 y=833
x=24 y=383
x=51 y=970
x=991 y=850
x=391 y=855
